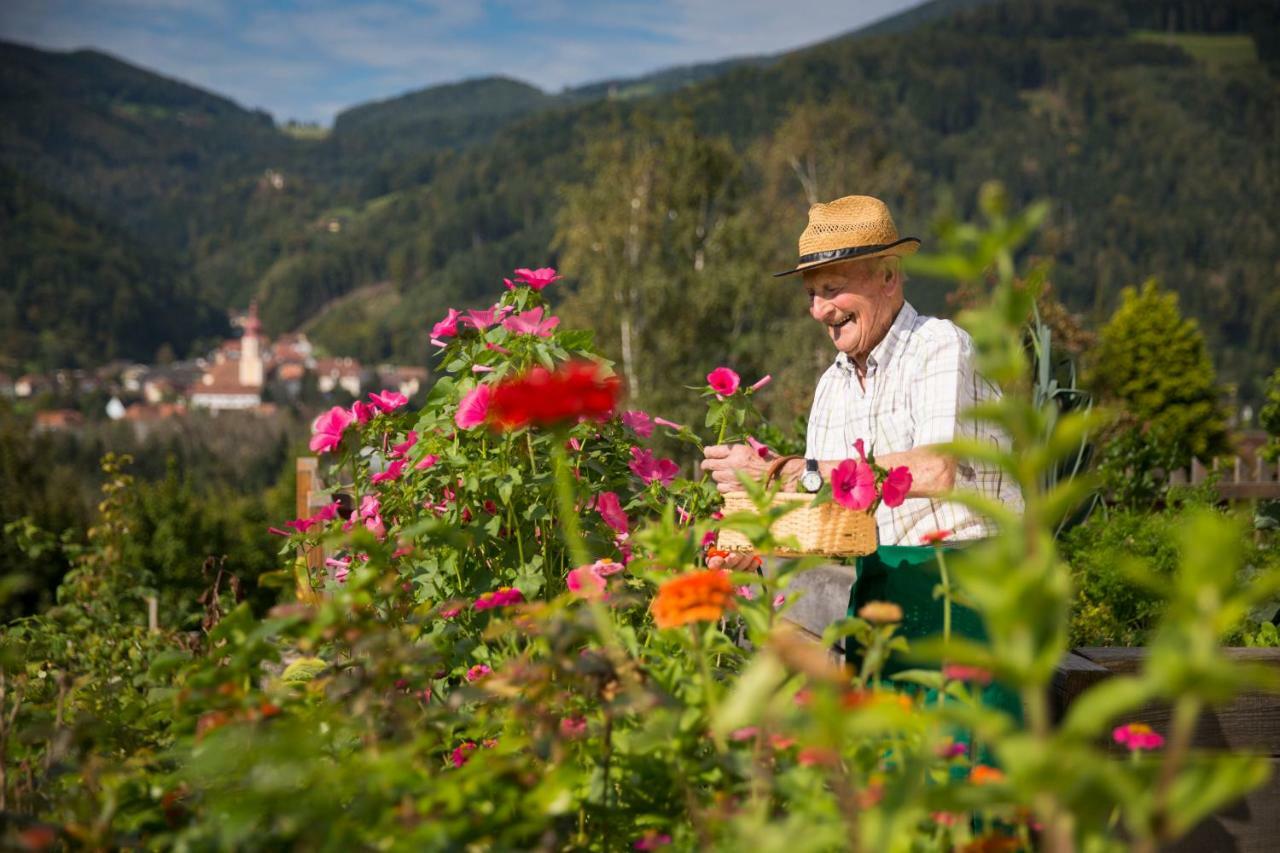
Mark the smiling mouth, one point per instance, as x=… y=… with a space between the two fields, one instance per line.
x=841 y=324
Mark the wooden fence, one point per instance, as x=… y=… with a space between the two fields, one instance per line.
x=1240 y=479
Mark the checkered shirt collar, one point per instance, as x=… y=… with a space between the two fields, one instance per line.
x=893 y=341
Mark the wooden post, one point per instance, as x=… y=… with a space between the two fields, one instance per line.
x=308 y=484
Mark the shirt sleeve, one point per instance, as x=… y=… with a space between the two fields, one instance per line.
x=948 y=385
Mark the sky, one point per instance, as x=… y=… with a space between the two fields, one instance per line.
x=309 y=59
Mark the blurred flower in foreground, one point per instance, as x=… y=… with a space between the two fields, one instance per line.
x=696 y=597
x=1137 y=736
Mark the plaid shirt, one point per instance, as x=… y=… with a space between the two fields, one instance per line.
x=919 y=378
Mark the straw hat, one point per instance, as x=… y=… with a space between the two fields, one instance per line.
x=850 y=228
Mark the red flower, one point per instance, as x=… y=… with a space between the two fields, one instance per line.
x=935 y=537
x=573 y=392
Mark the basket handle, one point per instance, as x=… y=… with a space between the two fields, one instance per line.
x=776 y=466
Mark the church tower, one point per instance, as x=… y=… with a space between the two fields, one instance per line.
x=250 y=350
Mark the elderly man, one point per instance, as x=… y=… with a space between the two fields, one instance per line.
x=899 y=382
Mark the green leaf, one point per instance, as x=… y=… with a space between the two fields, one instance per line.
x=1210 y=783
x=1097 y=707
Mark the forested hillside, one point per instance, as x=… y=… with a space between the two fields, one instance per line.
x=1151 y=126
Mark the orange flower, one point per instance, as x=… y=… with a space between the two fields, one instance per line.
x=981 y=774
x=880 y=612
x=699 y=596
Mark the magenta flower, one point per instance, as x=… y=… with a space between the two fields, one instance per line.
x=723 y=381
x=363 y=412
x=647 y=468
x=501 y=597
x=370 y=506
x=537 y=279
x=327 y=433
x=462 y=753
x=762 y=450
x=638 y=422
x=327 y=513
x=478 y=672
x=448 y=327
x=481 y=320
x=590 y=581
x=388 y=401
x=573 y=727
x=473 y=408
x=853 y=485
x=610 y=509
x=1138 y=736
x=896 y=485
x=341 y=568
x=744 y=733
x=761 y=382
x=963 y=672
x=393 y=472
x=531 y=323
x=426 y=462
x=860 y=446
x=403 y=447
x=652 y=841
x=668 y=424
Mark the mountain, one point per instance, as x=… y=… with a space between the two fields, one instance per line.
x=1149 y=124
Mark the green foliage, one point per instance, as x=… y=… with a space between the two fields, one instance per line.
x=1152 y=364
x=1269 y=417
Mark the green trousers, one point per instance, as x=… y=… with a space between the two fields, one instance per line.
x=907 y=575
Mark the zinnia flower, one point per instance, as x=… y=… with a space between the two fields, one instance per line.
x=895 y=487
x=1137 y=736
x=388 y=401
x=478 y=672
x=610 y=509
x=590 y=581
x=700 y=596
x=647 y=468
x=531 y=323
x=961 y=672
x=474 y=407
x=537 y=279
x=575 y=391
x=328 y=430
x=853 y=485
x=981 y=774
x=880 y=612
x=501 y=597
x=638 y=422
x=723 y=381
x=935 y=537
x=462 y=753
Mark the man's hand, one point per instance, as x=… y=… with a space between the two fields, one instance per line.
x=723 y=461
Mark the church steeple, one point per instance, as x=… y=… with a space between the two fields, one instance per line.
x=250 y=349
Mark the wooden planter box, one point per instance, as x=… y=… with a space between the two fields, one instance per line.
x=1251 y=723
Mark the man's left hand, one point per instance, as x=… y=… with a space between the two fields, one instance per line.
x=723 y=461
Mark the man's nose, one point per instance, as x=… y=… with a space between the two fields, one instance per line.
x=819 y=307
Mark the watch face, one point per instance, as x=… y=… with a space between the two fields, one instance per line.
x=811 y=481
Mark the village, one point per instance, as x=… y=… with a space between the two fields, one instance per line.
x=249 y=374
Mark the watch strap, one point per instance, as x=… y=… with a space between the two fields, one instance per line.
x=776 y=466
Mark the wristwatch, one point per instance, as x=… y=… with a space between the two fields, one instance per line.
x=811 y=479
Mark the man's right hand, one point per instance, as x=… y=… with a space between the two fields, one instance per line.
x=723 y=461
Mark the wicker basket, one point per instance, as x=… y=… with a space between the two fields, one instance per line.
x=828 y=529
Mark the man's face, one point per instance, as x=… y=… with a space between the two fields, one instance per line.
x=856 y=301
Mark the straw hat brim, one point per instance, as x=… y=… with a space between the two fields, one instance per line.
x=903 y=247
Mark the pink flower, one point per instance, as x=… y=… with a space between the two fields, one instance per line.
x=481 y=368
x=895 y=487
x=723 y=381
x=647 y=468
x=502 y=597
x=861 y=448
x=761 y=382
x=473 y=408
x=744 y=591
x=478 y=672
x=610 y=509
x=709 y=538
x=537 y=279
x=1138 y=736
x=761 y=450
x=426 y=462
x=652 y=840
x=362 y=411
x=450 y=612
x=590 y=580
x=481 y=320
x=744 y=733
x=388 y=401
x=531 y=323
x=370 y=506
x=448 y=327
x=573 y=727
x=327 y=433
x=462 y=753
x=961 y=672
x=853 y=484
x=302 y=525
x=341 y=568
x=403 y=447
x=668 y=424
x=638 y=422
x=393 y=472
